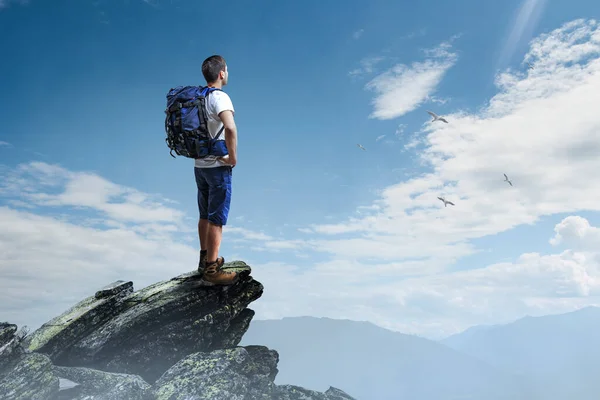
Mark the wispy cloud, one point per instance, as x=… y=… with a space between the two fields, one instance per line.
x=246 y=234
x=49 y=186
x=152 y=3
x=468 y=157
x=52 y=185
x=403 y=88
x=5 y=144
x=438 y=100
x=522 y=28
x=358 y=33
x=260 y=241
x=50 y=262
x=6 y=3
x=367 y=66
x=414 y=34
x=400 y=129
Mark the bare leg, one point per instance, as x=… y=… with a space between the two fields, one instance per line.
x=215 y=233
x=203 y=233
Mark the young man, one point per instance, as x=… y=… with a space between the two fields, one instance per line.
x=213 y=174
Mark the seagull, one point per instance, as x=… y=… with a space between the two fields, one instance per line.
x=506 y=180
x=529 y=65
x=360 y=146
x=436 y=117
x=446 y=202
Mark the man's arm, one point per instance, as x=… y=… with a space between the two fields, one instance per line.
x=230 y=135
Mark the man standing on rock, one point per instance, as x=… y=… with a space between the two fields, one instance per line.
x=213 y=174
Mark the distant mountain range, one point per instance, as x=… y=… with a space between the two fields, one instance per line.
x=558 y=354
x=543 y=358
x=372 y=363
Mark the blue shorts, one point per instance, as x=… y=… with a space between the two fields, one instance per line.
x=214 y=193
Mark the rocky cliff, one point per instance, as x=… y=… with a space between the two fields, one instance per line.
x=176 y=339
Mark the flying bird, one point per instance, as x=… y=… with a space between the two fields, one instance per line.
x=436 y=117
x=446 y=202
x=506 y=180
x=529 y=65
x=361 y=147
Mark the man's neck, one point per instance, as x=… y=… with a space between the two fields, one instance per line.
x=217 y=85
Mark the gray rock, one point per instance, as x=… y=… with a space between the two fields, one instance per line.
x=293 y=392
x=55 y=337
x=30 y=378
x=23 y=376
x=176 y=339
x=235 y=374
x=147 y=331
x=10 y=348
x=7 y=333
x=104 y=385
x=114 y=289
x=337 y=394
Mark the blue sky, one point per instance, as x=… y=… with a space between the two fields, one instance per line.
x=83 y=96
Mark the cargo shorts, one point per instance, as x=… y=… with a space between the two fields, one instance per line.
x=214 y=193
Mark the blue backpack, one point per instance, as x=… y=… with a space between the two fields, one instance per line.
x=186 y=123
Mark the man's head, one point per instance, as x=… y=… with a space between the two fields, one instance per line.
x=215 y=71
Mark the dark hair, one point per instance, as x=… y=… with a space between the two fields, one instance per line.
x=211 y=68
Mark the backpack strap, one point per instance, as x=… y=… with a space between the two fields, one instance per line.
x=220 y=131
x=205 y=92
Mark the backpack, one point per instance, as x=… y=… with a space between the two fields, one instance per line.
x=186 y=123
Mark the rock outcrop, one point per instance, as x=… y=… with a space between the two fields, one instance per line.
x=176 y=339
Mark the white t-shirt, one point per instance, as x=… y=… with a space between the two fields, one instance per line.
x=216 y=102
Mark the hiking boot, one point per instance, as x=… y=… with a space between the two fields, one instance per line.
x=202 y=262
x=214 y=274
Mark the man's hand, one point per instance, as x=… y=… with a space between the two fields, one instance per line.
x=227 y=160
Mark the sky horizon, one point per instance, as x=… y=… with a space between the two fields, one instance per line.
x=89 y=193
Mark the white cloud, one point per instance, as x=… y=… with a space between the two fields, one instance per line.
x=403 y=88
x=400 y=130
x=412 y=35
x=522 y=27
x=439 y=100
x=86 y=190
x=153 y=3
x=358 y=33
x=6 y=3
x=575 y=231
x=259 y=241
x=549 y=156
x=39 y=184
x=247 y=234
x=367 y=66
x=435 y=305
x=48 y=264
x=6 y=144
